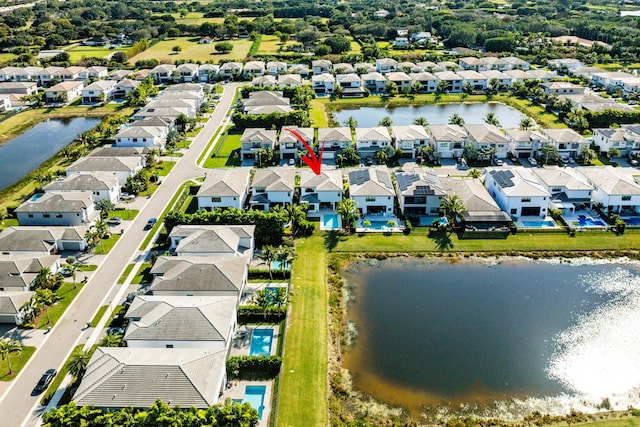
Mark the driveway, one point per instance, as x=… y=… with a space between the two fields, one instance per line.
x=17 y=403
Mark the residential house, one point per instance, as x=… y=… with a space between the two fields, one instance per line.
x=495 y=77
x=515 y=63
x=41 y=241
x=564 y=63
x=213 y=240
x=518 y=75
x=518 y=192
x=253 y=69
x=264 y=81
x=163 y=73
x=321 y=66
x=386 y=65
x=320 y=193
x=169 y=114
x=454 y=81
x=186 y=73
x=64 y=92
x=118 y=75
x=19 y=74
x=5 y=103
x=449 y=66
x=124 y=87
x=351 y=85
x=181 y=322
x=120 y=167
x=208 y=73
x=289 y=80
x=138 y=152
x=255 y=139
x=11 y=304
x=142 y=136
x=381 y=13
x=100 y=185
x=429 y=66
x=343 y=68
x=472 y=63
x=95 y=72
x=230 y=70
x=371 y=190
x=567 y=141
x=272 y=187
x=401 y=79
x=473 y=79
x=265 y=101
x=408 y=67
x=18 y=273
x=98 y=91
x=482 y=213
x=616 y=189
x=611 y=79
x=18 y=88
x=46 y=76
x=562 y=88
x=448 y=140
x=334 y=139
x=276 y=68
x=400 y=42
x=123 y=377
x=51 y=209
x=498 y=64
x=141 y=74
x=543 y=75
x=323 y=84
x=525 y=143
x=160 y=104
x=568 y=188
x=289 y=143
x=427 y=81
x=421 y=37
x=374 y=82
x=488 y=139
x=419 y=191
x=409 y=138
x=205 y=40
x=625 y=139
x=301 y=69
x=69 y=74
x=224 y=188
x=372 y=139
x=364 y=68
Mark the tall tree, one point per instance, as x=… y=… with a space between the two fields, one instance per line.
x=347 y=209
x=491 y=119
x=72 y=265
x=268 y=255
x=45 y=279
x=7 y=348
x=456 y=119
x=45 y=298
x=453 y=208
x=78 y=361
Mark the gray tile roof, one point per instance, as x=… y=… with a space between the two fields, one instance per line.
x=206 y=274
x=104 y=164
x=327 y=180
x=136 y=377
x=35 y=238
x=112 y=151
x=225 y=182
x=181 y=318
x=275 y=179
x=65 y=202
x=18 y=272
x=10 y=302
x=475 y=197
x=83 y=182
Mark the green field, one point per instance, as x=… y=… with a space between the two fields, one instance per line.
x=78 y=52
x=271 y=45
x=17 y=363
x=6 y=57
x=227 y=155
x=193 y=51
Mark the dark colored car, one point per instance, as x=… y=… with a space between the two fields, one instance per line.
x=45 y=380
x=150 y=223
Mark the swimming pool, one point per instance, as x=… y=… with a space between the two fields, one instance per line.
x=35 y=197
x=547 y=223
x=330 y=222
x=261 y=340
x=375 y=224
x=587 y=221
x=254 y=394
x=427 y=221
x=634 y=220
x=279 y=265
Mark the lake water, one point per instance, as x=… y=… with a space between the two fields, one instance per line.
x=499 y=339
x=24 y=153
x=436 y=114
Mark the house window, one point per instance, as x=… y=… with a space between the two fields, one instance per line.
x=308 y=190
x=626 y=198
x=58 y=215
x=46 y=215
x=525 y=199
x=370 y=199
x=30 y=215
x=216 y=199
x=169 y=345
x=260 y=190
x=135 y=139
x=556 y=189
x=514 y=211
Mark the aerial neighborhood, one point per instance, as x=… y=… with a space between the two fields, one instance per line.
x=185 y=249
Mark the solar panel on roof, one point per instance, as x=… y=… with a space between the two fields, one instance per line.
x=405 y=180
x=423 y=190
x=359 y=177
x=503 y=178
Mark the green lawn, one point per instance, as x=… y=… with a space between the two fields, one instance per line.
x=142 y=276
x=17 y=363
x=125 y=273
x=98 y=316
x=303 y=382
x=126 y=214
x=193 y=51
x=104 y=246
x=87 y=267
x=79 y=52
x=164 y=168
x=66 y=293
x=228 y=153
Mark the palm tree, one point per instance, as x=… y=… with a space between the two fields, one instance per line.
x=44 y=299
x=442 y=86
x=491 y=119
x=286 y=255
x=351 y=123
x=526 y=123
x=78 y=361
x=613 y=152
x=7 y=347
x=111 y=340
x=453 y=208
x=474 y=173
x=45 y=279
x=73 y=265
x=268 y=255
x=421 y=121
x=104 y=206
x=42 y=177
x=347 y=209
x=456 y=119
x=385 y=121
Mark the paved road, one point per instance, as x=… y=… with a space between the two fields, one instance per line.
x=17 y=403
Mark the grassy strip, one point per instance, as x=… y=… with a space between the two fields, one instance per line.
x=115 y=313
x=66 y=293
x=87 y=267
x=125 y=214
x=255 y=46
x=17 y=363
x=211 y=141
x=142 y=276
x=224 y=156
x=105 y=245
x=303 y=382
x=125 y=274
x=98 y=316
x=446 y=242
x=164 y=168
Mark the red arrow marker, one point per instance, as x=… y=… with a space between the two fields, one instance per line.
x=315 y=163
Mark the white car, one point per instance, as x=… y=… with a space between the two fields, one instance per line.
x=533 y=161
x=498 y=162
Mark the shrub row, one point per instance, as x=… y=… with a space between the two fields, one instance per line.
x=253 y=367
x=256 y=314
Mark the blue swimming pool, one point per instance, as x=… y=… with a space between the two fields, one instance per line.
x=585 y=221
x=539 y=224
x=375 y=224
x=634 y=220
x=261 y=340
x=35 y=197
x=279 y=265
x=427 y=221
x=254 y=394
x=330 y=222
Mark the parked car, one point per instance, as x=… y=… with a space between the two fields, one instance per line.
x=127 y=196
x=115 y=220
x=633 y=162
x=498 y=162
x=564 y=159
x=532 y=161
x=292 y=162
x=150 y=223
x=369 y=161
x=45 y=380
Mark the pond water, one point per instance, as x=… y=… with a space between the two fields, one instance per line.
x=499 y=339
x=24 y=153
x=436 y=114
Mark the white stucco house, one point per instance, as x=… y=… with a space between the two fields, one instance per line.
x=518 y=192
x=61 y=209
x=371 y=190
x=255 y=139
x=419 y=191
x=321 y=193
x=212 y=240
x=98 y=91
x=409 y=138
x=120 y=167
x=616 y=189
x=448 y=140
x=488 y=138
x=100 y=185
x=272 y=187
x=372 y=139
x=224 y=188
x=289 y=143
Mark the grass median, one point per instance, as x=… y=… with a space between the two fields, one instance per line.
x=17 y=363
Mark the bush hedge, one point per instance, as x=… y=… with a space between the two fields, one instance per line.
x=253 y=367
